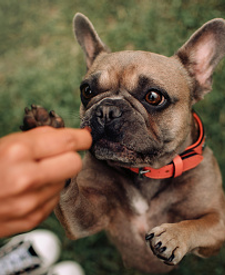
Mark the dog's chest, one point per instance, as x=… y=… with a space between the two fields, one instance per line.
x=128 y=230
x=139 y=204
x=146 y=211
x=140 y=207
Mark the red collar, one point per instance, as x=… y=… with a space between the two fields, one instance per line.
x=187 y=160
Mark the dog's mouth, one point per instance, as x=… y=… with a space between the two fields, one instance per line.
x=105 y=149
x=121 y=155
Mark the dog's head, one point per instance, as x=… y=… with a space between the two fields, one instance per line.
x=139 y=104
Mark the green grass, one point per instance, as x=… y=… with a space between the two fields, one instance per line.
x=41 y=63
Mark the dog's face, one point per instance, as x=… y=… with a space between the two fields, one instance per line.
x=135 y=117
x=139 y=104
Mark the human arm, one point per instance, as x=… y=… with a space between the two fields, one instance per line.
x=33 y=168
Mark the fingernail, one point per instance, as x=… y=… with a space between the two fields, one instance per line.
x=148 y=237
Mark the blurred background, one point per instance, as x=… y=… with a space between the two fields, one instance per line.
x=41 y=63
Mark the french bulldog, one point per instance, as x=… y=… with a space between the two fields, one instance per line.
x=148 y=178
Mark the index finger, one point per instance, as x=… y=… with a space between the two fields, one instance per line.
x=48 y=142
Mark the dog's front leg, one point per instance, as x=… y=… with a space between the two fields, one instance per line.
x=171 y=241
x=83 y=209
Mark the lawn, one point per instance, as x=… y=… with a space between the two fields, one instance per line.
x=41 y=63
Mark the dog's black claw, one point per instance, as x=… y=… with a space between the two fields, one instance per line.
x=171 y=258
x=161 y=250
x=148 y=237
x=158 y=245
x=169 y=261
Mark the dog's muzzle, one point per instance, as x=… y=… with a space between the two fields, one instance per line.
x=107 y=114
x=107 y=120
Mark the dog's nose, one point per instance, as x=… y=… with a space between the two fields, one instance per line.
x=107 y=114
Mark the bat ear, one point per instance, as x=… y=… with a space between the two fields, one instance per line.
x=201 y=54
x=88 y=38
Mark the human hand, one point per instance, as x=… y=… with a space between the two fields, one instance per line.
x=33 y=168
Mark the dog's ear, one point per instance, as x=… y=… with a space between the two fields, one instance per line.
x=201 y=53
x=88 y=38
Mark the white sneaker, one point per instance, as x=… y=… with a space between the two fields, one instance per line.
x=30 y=253
x=66 y=268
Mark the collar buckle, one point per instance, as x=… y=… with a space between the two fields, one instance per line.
x=142 y=172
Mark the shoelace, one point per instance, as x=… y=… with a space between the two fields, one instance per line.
x=18 y=259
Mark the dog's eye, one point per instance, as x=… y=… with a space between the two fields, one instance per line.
x=154 y=98
x=86 y=91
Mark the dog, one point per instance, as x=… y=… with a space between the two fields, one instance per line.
x=148 y=178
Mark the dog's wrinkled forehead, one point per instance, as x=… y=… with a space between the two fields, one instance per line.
x=133 y=70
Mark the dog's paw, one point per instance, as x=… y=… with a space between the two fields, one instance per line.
x=167 y=243
x=38 y=116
